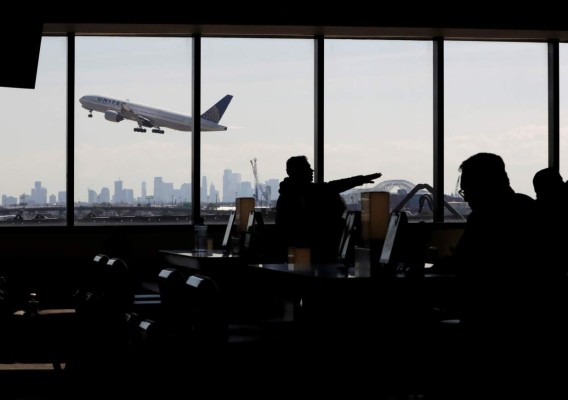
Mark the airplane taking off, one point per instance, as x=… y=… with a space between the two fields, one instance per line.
x=116 y=110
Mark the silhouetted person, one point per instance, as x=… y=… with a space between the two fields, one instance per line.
x=551 y=198
x=497 y=242
x=508 y=296
x=310 y=214
x=549 y=188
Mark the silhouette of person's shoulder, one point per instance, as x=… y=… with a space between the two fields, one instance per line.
x=524 y=199
x=521 y=211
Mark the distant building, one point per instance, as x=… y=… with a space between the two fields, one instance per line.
x=9 y=200
x=183 y=195
x=39 y=195
x=92 y=197
x=213 y=194
x=204 y=190
x=105 y=195
x=143 y=193
x=128 y=196
x=118 y=196
x=245 y=189
x=24 y=199
x=62 y=197
x=274 y=185
x=157 y=189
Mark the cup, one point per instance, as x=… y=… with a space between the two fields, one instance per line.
x=303 y=257
x=299 y=258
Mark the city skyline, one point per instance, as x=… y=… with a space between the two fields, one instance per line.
x=143 y=187
x=246 y=189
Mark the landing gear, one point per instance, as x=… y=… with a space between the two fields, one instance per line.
x=90 y=113
x=139 y=130
x=158 y=131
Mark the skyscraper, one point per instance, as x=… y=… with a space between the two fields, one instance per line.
x=204 y=189
x=118 y=195
x=143 y=192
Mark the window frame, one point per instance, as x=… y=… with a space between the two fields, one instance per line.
x=197 y=33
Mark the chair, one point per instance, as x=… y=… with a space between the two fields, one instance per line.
x=100 y=259
x=253 y=238
x=39 y=336
x=209 y=316
x=5 y=311
x=172 y=323
x=174 y=316
x=103 y=317
x=350 y=236
x=206 y=310
x=90 y=280
x=164 y=339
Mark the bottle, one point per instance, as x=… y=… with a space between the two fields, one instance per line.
x=200 y=239
x=33 y=306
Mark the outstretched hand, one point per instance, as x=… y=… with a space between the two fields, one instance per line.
x=369 y=178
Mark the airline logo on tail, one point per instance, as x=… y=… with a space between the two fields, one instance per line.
x=215 y=113
x=116 y=110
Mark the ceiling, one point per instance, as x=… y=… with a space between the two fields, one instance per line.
x=289 y=19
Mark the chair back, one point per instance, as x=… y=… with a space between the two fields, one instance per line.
x=174 y=300
x=87 y=293
x=350 y=236
x=207 y=309
x=95 y=271
x=117 y=292
x=105 y=326
x=253 y=237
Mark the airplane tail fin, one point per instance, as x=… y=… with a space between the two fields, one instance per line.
x=215 y=113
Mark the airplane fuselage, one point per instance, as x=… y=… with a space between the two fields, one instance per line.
x=146 y=116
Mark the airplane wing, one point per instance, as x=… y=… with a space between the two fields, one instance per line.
x=127 y=113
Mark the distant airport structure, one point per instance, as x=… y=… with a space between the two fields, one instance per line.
x=401 y=184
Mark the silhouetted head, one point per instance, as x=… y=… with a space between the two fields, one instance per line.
x=483 y=177
x=299 y=169
x=548 y=184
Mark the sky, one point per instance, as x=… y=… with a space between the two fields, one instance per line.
x=378 y=102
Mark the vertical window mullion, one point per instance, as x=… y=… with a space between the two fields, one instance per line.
x=70 y=160
x=196 y=130
x=553 y=104
x=319 y=109
x=438 y=93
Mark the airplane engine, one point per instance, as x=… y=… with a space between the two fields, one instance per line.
x=113 y=116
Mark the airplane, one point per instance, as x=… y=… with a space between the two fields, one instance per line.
x=116 y=110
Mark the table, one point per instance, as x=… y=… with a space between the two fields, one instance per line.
x=199 y=260
x=322 y=291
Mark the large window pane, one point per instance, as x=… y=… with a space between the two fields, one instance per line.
x=269 y=119
x=496 y=102
x=378 y=117
x=33 y=154
x=123 y=175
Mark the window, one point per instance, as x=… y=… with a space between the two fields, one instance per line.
x=125 y=172
x=270 y=118
x=378 y=117
x=496 y=101
x=33 y=156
